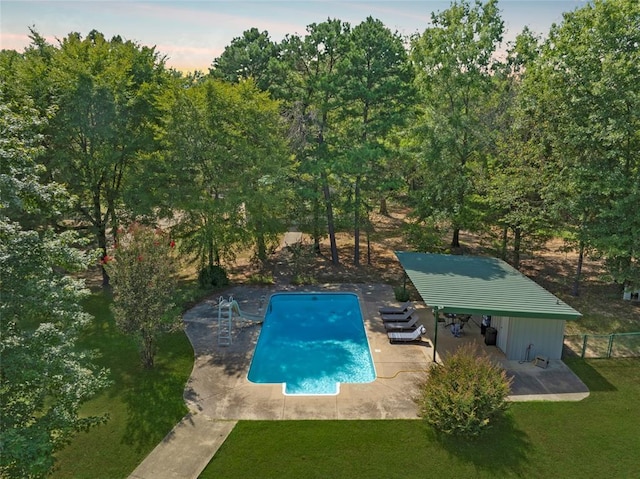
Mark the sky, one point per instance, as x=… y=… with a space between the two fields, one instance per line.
x=191 y=34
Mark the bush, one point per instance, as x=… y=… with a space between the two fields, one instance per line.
x=302 y=279
x=215 y=276
x=425 y=236
x=465 y=394
x=261 y=278
x=402 y=295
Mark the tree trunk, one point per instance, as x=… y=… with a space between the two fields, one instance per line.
x=455 y=241
x=368 y=242
x=503 y=248
x=101 y=233
x=517 y=240
x=102 y=245
x=384 y=210
x=148 y=350
x=211 y=254
x=356 y=224
x=316 y=225
x=330 y=224
x=576 y=281
x=262 y=247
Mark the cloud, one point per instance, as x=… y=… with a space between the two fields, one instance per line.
x=13 y=41
x=194 y=33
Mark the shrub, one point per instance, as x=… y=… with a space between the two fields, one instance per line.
x=213 y=275
x=301 y=279
x=402 y=295
x=261 y=278
x=424 y=236
x=465 y=394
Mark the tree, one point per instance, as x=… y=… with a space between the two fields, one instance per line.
x=376 y=95
x=454 y=58
x=313 y=98
x=226 y=152
x=585 y=89
x=44 y=376
x=515 y=178
x=104 y=98
x=248 y=56
x=143 y=271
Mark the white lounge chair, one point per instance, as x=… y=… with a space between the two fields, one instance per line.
x=406 y=316
x=391 y=325
x=406 y=336
x=396 y=309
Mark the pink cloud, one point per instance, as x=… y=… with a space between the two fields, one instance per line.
x=20 y=41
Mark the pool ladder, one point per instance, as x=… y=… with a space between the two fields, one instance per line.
x=225 y=314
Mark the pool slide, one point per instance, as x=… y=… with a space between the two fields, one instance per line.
x=244 y=314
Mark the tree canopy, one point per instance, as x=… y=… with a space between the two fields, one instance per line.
x=308 y=132
x=44 y=377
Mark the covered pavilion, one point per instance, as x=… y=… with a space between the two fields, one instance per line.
x=527 y=318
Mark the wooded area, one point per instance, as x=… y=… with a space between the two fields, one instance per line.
x=316 y=131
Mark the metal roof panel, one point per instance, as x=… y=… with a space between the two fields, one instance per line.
x=480 y=285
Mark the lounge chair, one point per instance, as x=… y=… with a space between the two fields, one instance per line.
x=395 y=325
x=406 y=336
x=406 y=316
x=396 y=309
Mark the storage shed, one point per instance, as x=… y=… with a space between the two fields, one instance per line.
x=529 y=319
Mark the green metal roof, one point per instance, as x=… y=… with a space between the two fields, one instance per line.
x=480 y=285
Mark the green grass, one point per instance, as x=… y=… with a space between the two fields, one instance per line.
x=591 y=438
x=596 y=437
x=142 y=406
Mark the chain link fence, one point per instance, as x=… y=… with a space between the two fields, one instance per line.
x=617 y=345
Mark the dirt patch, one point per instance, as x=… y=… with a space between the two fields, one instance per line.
x=552 y=267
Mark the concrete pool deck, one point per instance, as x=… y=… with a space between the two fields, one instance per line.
x=219 y=388
x=218 y=393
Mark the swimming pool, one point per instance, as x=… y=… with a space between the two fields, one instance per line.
x=312 y=342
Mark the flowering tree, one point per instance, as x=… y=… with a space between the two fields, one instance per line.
x=45 y=377
x=143 y=270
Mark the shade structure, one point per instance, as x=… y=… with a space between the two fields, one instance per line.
x=480 y=285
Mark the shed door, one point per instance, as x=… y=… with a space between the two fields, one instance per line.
x=503 y=333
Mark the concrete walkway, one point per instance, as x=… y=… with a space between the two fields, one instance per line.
x=186 y=450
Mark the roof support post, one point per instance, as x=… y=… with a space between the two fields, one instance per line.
x=435 y=332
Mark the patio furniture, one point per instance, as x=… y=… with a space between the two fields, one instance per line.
x=406 y=316
x=456 y=329
x=396 y=309
x=397 y=325
x=407 y=336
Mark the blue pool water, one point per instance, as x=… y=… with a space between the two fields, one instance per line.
x=312 y=342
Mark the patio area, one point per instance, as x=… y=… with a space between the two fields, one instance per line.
x=531 y=382
x=219 y=388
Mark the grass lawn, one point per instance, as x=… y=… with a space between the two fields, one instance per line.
x=142 y=406
x=591 y=438
x=596 y=437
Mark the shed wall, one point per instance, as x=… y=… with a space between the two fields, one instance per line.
x=501 y=323
x=545 y=335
